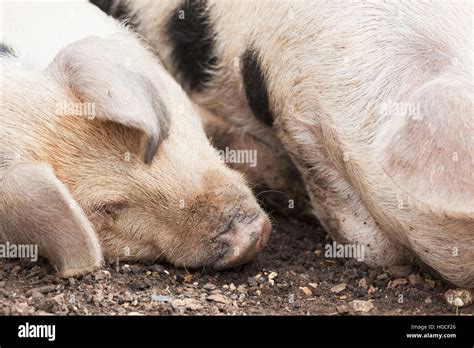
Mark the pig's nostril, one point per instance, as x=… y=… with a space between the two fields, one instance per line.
x=244 y=240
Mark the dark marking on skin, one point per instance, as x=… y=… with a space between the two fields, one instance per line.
x=118 y=10
x=255 y=86
x=192 y=36
x=6 y=50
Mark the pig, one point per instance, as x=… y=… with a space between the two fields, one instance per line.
x=274 y=179
x=102 y=154
x=373 y=101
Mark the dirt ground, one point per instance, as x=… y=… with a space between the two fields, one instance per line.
x=291 y=276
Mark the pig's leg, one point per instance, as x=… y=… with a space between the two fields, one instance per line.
x=335 y=202
x=36 y=208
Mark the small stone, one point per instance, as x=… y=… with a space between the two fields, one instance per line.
x=36 y=295
x=252 y=282
x=127 y=297
x=218 y=298
x=306 y=291
x=193 y=304
x=399 y=271
x=428 y=300
x=414 y=279
x=431 y=283
x=458 y=297
x=361 y=306
x=134 y=313
x=338 y=288
x=42 y=289
x=396 y=282
x=209 y=286
x=98 y=297
x=342 y=309
x=291 y=298
x=102 y=274
x=363 y=283
x=313 y=285
x=272 y=276
x=242 y=288
x=232 y=287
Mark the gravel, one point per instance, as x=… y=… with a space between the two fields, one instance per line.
x=289 y=277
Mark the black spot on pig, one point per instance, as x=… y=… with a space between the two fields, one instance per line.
x=6 y=50
x=118 y=10
x=192 y=37
x=255 y=86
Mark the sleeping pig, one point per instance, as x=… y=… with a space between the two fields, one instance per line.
x=103 y=155
x=373 y=101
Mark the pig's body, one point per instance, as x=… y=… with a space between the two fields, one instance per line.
x=326 y=79
x=102 y=154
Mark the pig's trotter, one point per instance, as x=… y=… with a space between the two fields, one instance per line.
x=36 y=208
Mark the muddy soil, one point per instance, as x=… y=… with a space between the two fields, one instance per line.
x=291 y=276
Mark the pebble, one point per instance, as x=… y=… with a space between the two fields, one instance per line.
x=193 y=304
x=209 y=286
x=42 y=289
x=338 y=288
x=306 y=291
x=363 y=283
x=361 y=306
x=272 y=276
x=252 y=282
x=218 y=298
x=342 y=309
x=102 y=274
x=399 y=271
x=458 y=297
x=396 y=282
x=414 y=279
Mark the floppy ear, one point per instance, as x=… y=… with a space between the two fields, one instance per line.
x=36 y=208
x=430 y=156
x=113 y=75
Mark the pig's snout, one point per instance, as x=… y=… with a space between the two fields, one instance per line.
x=242 y=238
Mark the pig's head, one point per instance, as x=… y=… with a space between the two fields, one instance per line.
x=130 y=148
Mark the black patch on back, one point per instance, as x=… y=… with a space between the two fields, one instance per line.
x=255 y=86
x=193 y=42
x=6 y=50
x=116 y=9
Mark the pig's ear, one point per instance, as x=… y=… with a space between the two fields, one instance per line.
x=110 y=74
x=430 y=156
x=36 y=208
